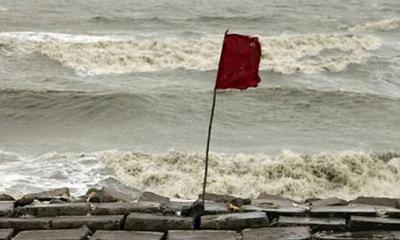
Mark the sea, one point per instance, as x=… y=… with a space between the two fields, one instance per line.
x=119 y=93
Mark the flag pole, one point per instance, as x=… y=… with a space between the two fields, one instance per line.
x=209 y=132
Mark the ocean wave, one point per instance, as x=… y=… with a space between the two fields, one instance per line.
x=286 y=54
x=381 y=25
x=345 y=174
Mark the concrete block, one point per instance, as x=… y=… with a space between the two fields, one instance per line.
x=53 y=210
x=152 y=197
x=235 y=221
x=272 y=212
x=6 y=197
x=107 y=194
x=359 y=223
x=393 y=212
x=315 y=223
x=50 y=194
x=157 y=223
x=274 y=200
x=124 y=208
x=343 y=211
x=126 y=235
x=363 y=235
x=328 y=202
x=6 y=234
x=389 y=202
x=201 y=235
x=20 y=224
x=6 y=208
x=277 y=233
x=113 y=222
x=70 y=234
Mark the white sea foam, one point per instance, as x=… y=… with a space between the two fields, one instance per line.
x=382 y=25
x=287 y=54
x=2 y=9
x=345 y=174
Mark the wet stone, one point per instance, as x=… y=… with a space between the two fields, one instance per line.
x=152 y=197
x=94 y=223
x=52 y=210
x=328 y=202
x=20 y=224
x=374 y=223
x=70 y=234
x=49 y=195
x=6 y=208
x=106 y=194
x=271 y=211
x=275 y=200
x=201 y=235
x=389 y=202
x=316 y=224
x=126 y=235
x=124 y=208
x=235 y=221
x=277 y=233
x=363 y=235
x=343 y=211
x=157 y=223
x=6 y=234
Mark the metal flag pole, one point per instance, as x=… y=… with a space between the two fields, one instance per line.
x=209 y=129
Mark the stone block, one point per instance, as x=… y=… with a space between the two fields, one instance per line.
x=201 y=235
x=274 y=200
x=152 y=197
x=316 y=224
x=360 y=223
x=112 y=222
x=106 y=194
x=157 y=223
x=50 y=194
x=6 y=197
x=126 y=235
x=328 y=202
x=363 y=235
x=393 y=213
x=69 y=234
x=6 y=208
x=272 y=212
x=20 y=224
x=53 y=210
x=6 y=234
x=277 y=233
x=237 y=201
x=389 y=202
x=343 y=211
x=235 y=221
x=124 y=208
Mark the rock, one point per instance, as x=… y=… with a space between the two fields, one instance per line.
x=53 y=210
x=6 y=197
x=201 y=235
x=389 y=202
x=359 y=223
x=194 y=210
x=50 y=195
x=358 y=235
x=237 y=201
x=126 y=235
x=278 y=233
x=6 y=208
x=108 y=195
x=6 y=234
x=274 y=212
x=274 y=200
x=94 y=223
x=152 y=197
x=235 y=221
x=343 y=211
x=20 y=224
x=317 y=224
x=70 y=234
x=157 y=223
x=124 y=208
x=112 y=183
x=328 y=202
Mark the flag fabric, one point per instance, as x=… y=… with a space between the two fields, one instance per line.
x=239 y=63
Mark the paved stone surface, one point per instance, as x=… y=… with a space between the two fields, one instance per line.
x=201 y=235
x=126 y=235
x=6 y=234
x=70 y=234
x=20 y=224
x=235 y=221
x=112 y=222
x=374 y=223
x=278 y=233
x=364 y=235
x=124 y=208
x=157 y=223
x=343 y=211
x=6 y=208
x=271 y=211
x=315 y=223
x=53 y=210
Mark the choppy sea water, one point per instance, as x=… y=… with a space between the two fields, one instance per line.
x=93 y=90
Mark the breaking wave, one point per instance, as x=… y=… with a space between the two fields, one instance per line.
x=382 y=25
x=344 y=174
x=286 y=54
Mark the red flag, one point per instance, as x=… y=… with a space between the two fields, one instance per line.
x=239 y=63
